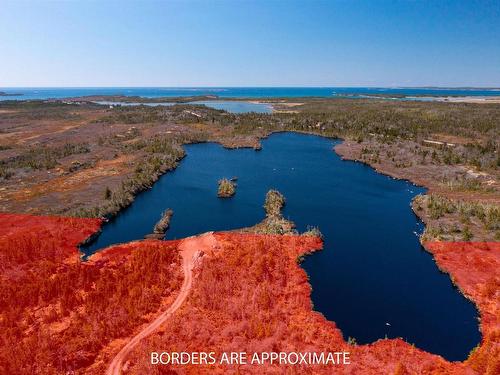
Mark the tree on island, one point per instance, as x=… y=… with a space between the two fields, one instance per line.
x=274 y=203
x=162 y=225
x=227 y=188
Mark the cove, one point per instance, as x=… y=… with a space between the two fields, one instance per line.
x=236 y=106
x=225 y=105
x=372 y=278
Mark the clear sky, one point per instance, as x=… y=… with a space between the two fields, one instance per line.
x=250 y=43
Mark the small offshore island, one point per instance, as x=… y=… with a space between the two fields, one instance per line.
x=3 y=93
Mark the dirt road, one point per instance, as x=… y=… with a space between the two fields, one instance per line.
x=188 y=248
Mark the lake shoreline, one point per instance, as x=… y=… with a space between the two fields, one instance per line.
x=394 y=350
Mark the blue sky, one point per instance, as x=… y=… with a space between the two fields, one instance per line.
x=249 y=43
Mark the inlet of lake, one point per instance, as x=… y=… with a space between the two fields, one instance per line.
x=232 y=106
x=372 y=278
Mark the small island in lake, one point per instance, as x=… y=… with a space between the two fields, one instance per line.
x=227 y=188
x=161 y=226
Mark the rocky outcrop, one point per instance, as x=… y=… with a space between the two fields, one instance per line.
x=161 y=226
x=227 y=188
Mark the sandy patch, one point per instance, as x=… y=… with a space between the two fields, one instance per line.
x=77 y=180
x=454 y=139
x=470 y=99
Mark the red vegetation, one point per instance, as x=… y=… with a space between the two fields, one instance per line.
x=251 y=296
x=59 y=315
x=475 y=268
x=28 y=239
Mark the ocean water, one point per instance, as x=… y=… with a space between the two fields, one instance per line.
x=238 y=92
x=372 y=278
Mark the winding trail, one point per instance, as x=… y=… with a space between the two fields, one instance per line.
x=188 y=249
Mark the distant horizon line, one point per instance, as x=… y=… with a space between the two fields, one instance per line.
x=249 y=87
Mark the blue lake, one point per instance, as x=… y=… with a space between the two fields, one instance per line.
x=225 y=105
x=372 y=278
x=237 y=106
